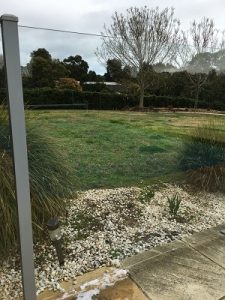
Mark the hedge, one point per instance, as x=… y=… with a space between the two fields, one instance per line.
x=107 y=101
x=95 y=100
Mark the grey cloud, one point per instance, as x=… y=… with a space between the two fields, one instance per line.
x=60 y=45
x=89 y=16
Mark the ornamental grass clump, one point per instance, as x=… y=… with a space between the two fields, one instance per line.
x=50 y=182
x=174 y=205
x=203 y=157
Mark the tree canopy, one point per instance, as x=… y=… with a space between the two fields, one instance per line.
x=77 y=67
x=140 y=37
x=195 y=52
x=44 y=70
x=115 y=70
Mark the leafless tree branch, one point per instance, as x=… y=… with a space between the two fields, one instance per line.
x=141 y=37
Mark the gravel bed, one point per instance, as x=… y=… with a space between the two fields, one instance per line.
x=105 y=226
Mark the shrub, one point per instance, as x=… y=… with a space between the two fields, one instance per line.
x=147 y=193
x=68 y=83
x=203 y=157
x=50 y=182
x=107 y=101
x=174 y=205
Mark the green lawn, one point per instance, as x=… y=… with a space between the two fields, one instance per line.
x=113 y=149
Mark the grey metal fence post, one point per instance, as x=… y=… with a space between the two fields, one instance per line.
x=18 y=134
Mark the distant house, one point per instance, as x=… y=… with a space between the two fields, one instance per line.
x=108 y=85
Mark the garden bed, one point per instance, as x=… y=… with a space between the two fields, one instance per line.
x=105 y=226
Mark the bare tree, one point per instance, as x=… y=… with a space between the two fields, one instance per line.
x=142 y=37
x=194 y=52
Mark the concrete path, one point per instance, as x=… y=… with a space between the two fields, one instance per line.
x=124 y=289
x=191 y=269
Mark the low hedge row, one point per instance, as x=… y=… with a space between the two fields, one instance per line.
x=110 y=101
x=95 y=100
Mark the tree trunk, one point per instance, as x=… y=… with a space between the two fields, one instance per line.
x=197 y=96
x=141 y=101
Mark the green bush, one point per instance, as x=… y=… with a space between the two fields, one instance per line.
x=203 y=157
x=95 y=100
x=146 y=194
x=106 y=101
x=51 y=182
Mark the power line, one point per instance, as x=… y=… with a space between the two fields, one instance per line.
x=64 y=31
x=80 y=33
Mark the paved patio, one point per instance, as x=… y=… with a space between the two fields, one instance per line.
x=121 y=290
x=193 y=268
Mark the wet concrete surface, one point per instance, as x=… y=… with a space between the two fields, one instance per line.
x=191 y=269
x=123 y=290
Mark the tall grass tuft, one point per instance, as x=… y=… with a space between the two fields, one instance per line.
x=174 y=205
x=51 y=182
x=203 y=157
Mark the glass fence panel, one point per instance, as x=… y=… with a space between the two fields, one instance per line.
x=122 y=157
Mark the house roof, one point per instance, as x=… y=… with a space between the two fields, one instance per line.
x=103 y=82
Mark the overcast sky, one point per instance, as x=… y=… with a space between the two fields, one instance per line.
x=89 y=16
